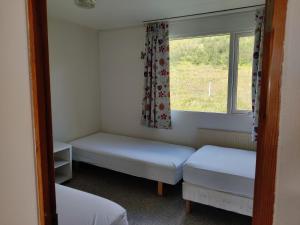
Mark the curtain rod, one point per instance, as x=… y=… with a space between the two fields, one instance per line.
x=205 y=13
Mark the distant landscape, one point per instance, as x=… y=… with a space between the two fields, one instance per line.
x=199 y=74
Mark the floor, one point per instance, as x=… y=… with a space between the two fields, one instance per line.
x=143 y=206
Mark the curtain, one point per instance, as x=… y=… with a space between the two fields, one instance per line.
x=257 y=69
x=156 y=112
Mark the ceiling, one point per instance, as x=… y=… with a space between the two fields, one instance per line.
x=110 y=14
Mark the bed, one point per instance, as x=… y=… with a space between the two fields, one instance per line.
x=152 y=160
x=221 y=177
x=75 y=207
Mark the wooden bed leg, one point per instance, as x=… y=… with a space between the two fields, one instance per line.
x=160 y=188
x=188 y=206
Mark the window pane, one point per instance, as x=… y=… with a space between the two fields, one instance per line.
x=244 y=76
x=199 y=73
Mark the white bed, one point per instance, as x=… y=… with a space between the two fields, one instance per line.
x=221 y=177
x=75 y=207
x=153 y=160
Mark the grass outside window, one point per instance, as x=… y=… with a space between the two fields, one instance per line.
x=199 y=73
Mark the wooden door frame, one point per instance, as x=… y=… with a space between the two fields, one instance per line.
x=264 y=194
x=269 y=111
x=41 y=101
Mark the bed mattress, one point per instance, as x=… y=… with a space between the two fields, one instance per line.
x=138 y=157
x=222 y=169
x=75 y=207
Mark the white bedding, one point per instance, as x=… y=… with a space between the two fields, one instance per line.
x=75 y=207
x=222 y=169
x=138 y=157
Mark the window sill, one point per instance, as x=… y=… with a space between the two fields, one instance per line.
x=237 y=113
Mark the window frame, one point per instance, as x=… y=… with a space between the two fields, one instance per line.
x=232 y=69
x=235 y=68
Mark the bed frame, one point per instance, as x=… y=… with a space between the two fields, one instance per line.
x=152 y=160
x=234 y=203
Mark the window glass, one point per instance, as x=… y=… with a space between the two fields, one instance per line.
x=244 y=73
x=199 y=73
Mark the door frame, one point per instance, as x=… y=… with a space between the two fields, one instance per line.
x=269 y=114
x=41 y=108
x=264 y=194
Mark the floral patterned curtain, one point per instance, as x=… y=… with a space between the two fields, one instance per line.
x=257 y=69
x=156 y=111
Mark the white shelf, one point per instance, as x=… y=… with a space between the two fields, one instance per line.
x=60 y=163
x=61 y=178
x=60 y=146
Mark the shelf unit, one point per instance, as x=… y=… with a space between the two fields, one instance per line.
x=62 y=161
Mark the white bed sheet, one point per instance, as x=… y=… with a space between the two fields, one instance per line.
x=222 y=169
x=76 y=207
x=138 y=157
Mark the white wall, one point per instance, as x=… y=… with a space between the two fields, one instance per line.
x=18 y=204
x=122 y=81
x=74 y=80
x=287 y=204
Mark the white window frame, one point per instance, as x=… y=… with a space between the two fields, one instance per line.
x=235 y=37
x=232 y=71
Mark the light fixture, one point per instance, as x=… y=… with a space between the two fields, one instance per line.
x=87 y=4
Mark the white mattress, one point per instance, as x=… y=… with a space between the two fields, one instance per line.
x=138 y=157
x=222 y=169
x=80 y=208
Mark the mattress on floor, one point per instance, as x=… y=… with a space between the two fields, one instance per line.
x=138 y=157
x=75 y=207
x=222 y=169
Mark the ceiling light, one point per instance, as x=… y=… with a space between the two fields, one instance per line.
x=87 y=4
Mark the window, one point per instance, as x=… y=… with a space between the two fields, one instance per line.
x=199 y=73
x=212 y=73
x=243 y=72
